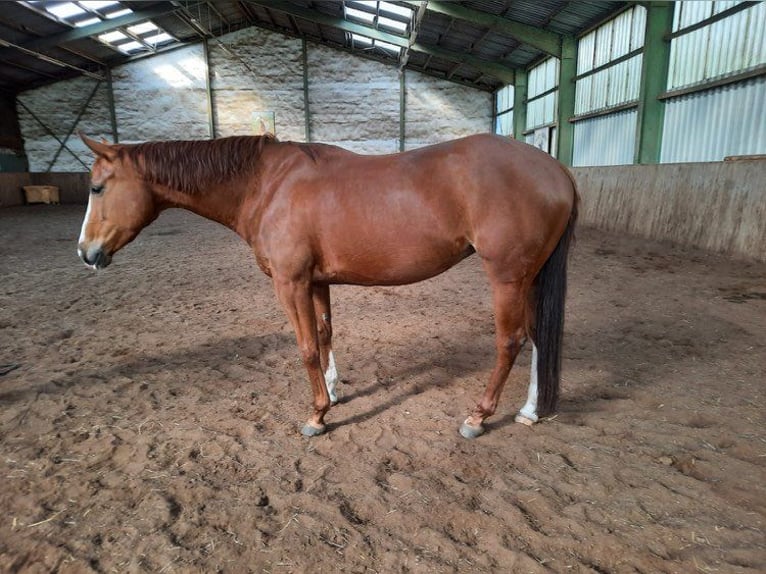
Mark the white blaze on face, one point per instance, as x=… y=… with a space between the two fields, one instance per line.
x=529 y=410
x=85 y=221
x=81 y=240
x=331 y=378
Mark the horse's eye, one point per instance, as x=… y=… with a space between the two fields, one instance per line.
x=96 y=189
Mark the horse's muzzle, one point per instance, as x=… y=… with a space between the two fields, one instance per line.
x=94 y=257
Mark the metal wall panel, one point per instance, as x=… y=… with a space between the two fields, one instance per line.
x=619 y=83
x=710 y=125
x=612 y=86
x=606 y=140
x=735 y=43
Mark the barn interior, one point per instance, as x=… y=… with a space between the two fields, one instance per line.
x=149 y=412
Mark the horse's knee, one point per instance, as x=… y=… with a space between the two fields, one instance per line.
x=310 y=356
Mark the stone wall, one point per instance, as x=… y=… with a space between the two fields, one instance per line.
x=437 y=110
x=256 y=71
x=48 y=115
x=352 y=101
x=164 y=97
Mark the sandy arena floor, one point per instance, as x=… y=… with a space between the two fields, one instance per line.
x=151 y=422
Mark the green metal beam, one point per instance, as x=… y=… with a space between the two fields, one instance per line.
x=402 y=109
x=520 y=105
x=543 y=40
x=306 y=106
x=500 y=71
x=567 y=73
x=654 y=79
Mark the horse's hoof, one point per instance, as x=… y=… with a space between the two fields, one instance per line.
x=309 y=429
x=525 y=420
x=470 y=431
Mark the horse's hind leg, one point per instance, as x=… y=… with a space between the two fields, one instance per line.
x=528 y=413
x=510 y=330
x=321 y=296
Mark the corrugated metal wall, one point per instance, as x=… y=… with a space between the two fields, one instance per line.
x=738 y=42
x=606 y=140
x=616 y=84
x=710 y=125
x=609 y=139
x=729 y=120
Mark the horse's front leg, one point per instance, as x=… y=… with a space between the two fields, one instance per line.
x=296 y=298
x=324 y=330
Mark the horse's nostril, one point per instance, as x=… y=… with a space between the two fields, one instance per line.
x=93 y=256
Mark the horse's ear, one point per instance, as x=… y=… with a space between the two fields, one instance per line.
x=100 y=149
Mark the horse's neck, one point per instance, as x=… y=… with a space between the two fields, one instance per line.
x=219 y=203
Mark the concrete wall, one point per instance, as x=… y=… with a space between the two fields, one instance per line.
x=715 y=206
x=352 y=101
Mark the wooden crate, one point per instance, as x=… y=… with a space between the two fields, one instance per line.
x=41 y=193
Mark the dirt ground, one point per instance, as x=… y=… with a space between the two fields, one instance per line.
x=151 y=422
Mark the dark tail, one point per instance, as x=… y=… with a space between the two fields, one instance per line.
x=551 y=289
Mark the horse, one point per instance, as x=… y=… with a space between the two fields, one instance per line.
x=316 y=215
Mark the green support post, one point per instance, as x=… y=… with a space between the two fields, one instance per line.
x=567 y=73
x=520 y=105
x=654 y=80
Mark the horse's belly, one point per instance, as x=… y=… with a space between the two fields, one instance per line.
x=370 y=264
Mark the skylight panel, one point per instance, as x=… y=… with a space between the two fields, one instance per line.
x=160 y=38
x=64 y=10
x=130 y=47
x=112 y=37
x=369 y=43
x=97 y=4
x=360 y=15
x=87 y=22
x=119 y=13
x=393 y=24
x=361 y=39
x=143 y=28
x=396 y=9
x=387 y=46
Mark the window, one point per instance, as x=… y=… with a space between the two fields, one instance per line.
x=381 y=15
x=609 y=63
x=504 y=111
x=141 y=37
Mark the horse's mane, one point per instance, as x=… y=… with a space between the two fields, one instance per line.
x=192 y=166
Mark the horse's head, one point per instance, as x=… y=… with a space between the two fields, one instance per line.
x=119 y=207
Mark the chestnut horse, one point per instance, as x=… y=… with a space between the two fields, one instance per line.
x=316 y=215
